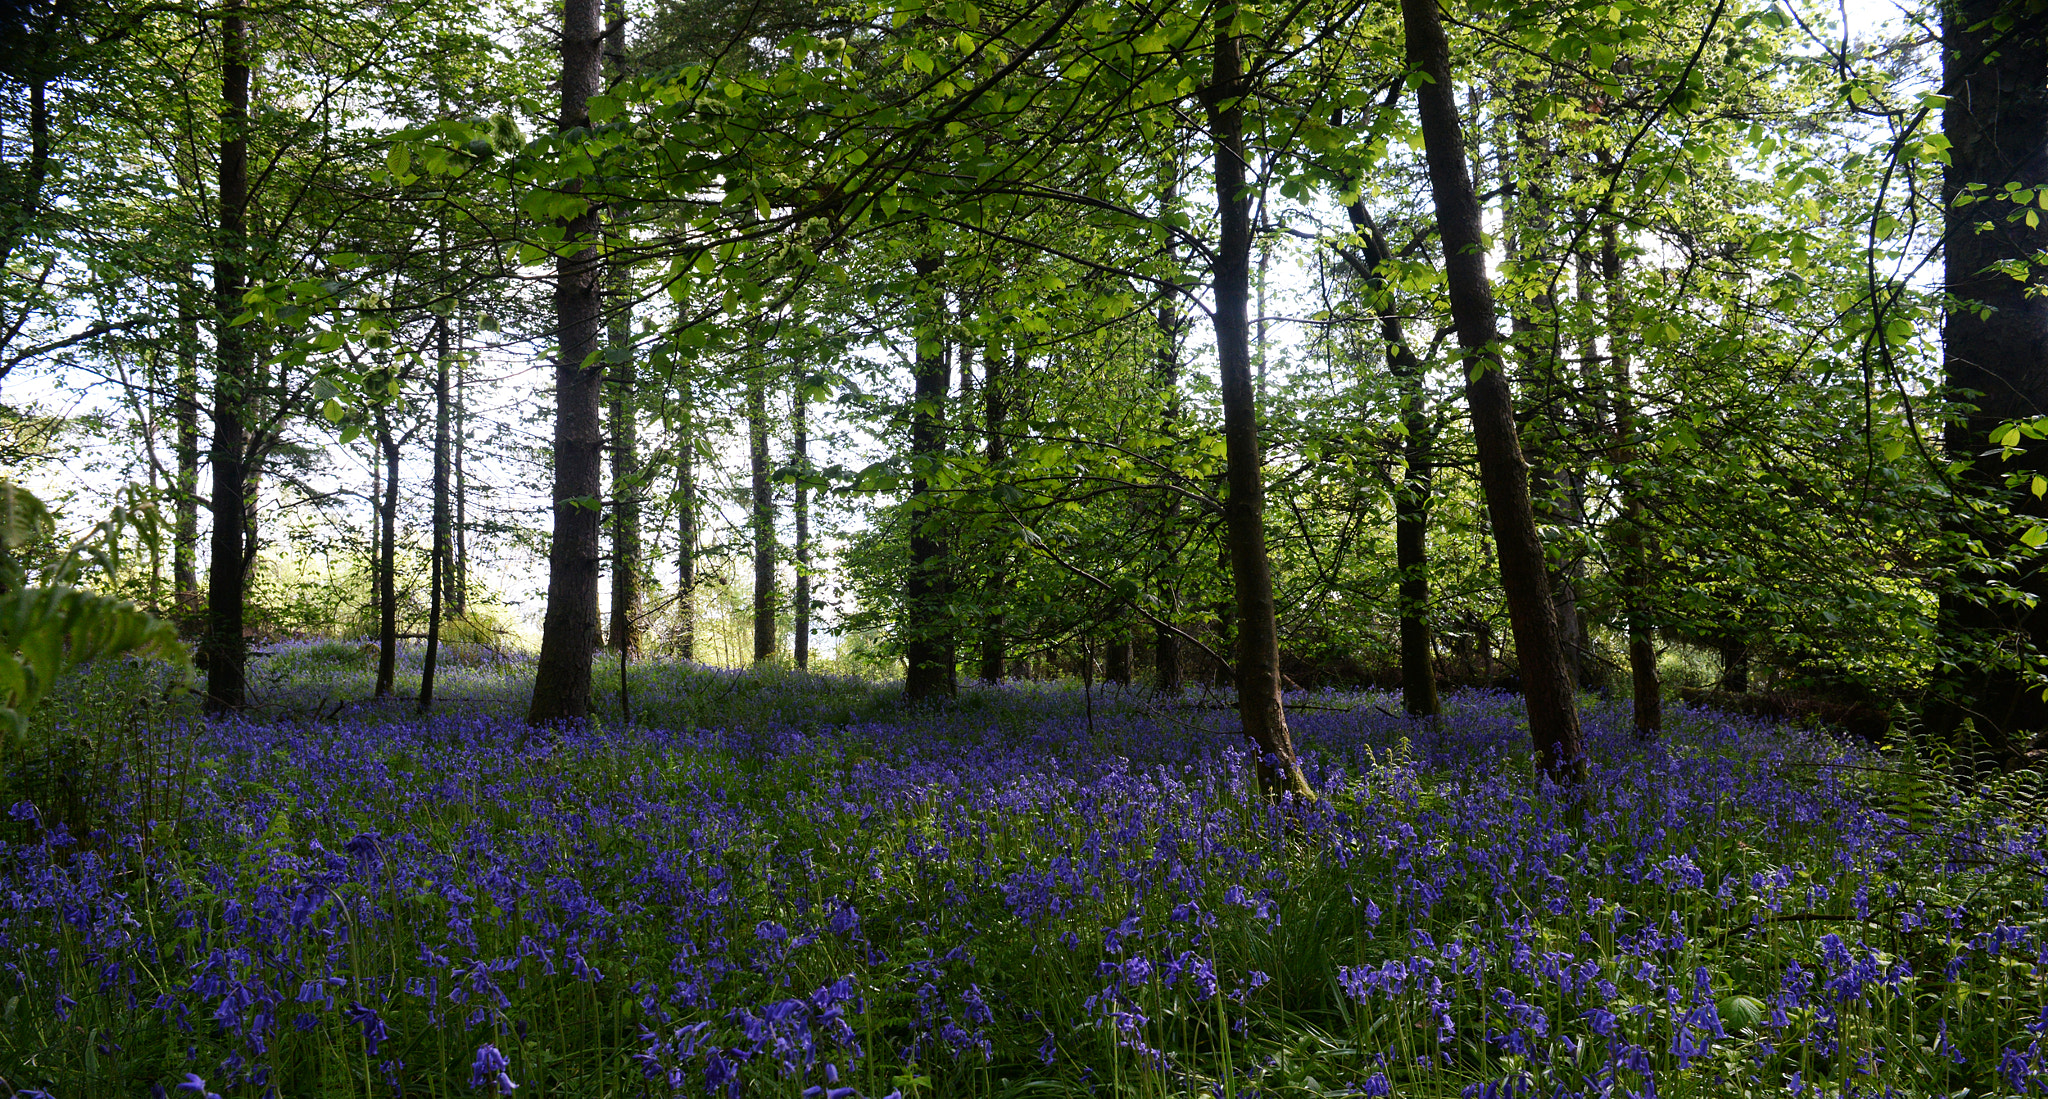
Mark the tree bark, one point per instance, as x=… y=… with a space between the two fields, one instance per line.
x=1555 y=489
x=763 y=513
x=185 y=484
x=1503 y=474
x=800 y=456
x=387 y=559
x=1647 y=693
x=1166 y=373
x=1412 y=494
x=458 y=587
x=458 y=581
x=927 y=627
x=440 y=570
x=225 y=649
x=1116 y=659
x=686 y=520
x=561 y=684
x=996 y=449
x=1995 y=354
x=1258 y=642
x=628 y=567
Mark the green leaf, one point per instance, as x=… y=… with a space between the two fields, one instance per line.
x=2034 y=537
x=399 y=160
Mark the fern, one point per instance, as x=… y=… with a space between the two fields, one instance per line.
x=50 y=628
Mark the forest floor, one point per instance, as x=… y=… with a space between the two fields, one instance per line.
x=777 y=884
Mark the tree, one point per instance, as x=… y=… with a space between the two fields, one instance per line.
x=225 y=651
x=928 y=628
x=1258 y=640
x=561 y=685
x=1546 y=682
x=761 y=506
x=1995 y=350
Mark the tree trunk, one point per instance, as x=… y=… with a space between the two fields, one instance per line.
x=1258 y=642
x=1554 y=488
x=458 y=588
x=800 y=456
x=225 y=649
x=185 y=486
x=996 y=449
x=561 y=682
x=1503 y=475
x=1412 y=495
x=927 y=628
x=440 y=570
x=1635 y=581
x=1995 y=353
x=1116 y=659
x=1166 y=372
x=387 y=560
x=763 y=514
x=686 y=521
x=628 y=569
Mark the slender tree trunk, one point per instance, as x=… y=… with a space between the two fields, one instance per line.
x=1412 y=495
x=458 y=589
x=561 y=683
x=1554 y=488
x=1995 y=355
x=1635 y=580
x=440 y=570
x=686 y=520
x=1166 y=373
x=1258 y=641
x=1503 y=475
x=376 y=518
x=800 y=455
x=996 y=449
x=387 y=562
x=763 y=514
x=628 y=568
x=225 y=649
x=927 y=627
x=185 y=486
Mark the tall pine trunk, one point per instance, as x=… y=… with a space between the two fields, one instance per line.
x=927 y=627
x=1258 y=641
x=226 y=651
x=1503 y=474
x=1995 y=353
x=561 y=682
